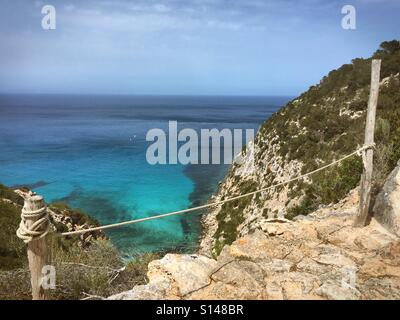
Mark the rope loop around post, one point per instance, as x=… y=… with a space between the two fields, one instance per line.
x=363 y=152
x=36 y=230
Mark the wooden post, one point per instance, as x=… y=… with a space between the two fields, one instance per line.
x=37 y=253
x=366 y=178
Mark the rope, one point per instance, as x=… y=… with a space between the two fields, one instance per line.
x=125 y=223
x=38 y=229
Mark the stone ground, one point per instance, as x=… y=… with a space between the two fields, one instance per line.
x=321 y=256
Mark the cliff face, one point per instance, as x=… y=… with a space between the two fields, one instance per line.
x=323 y=124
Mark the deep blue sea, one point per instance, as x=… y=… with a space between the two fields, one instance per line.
x=89 y=151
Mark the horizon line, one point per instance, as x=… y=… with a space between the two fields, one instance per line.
x=145 y=94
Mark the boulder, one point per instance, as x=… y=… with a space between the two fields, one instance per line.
x=152 y=291
x=188 y=273
x=333 y=291
x=387 y=205
x=172 y=277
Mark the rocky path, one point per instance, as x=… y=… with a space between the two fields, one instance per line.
x=321 y=256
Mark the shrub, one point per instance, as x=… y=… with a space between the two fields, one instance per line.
x=96 y=269
x=12 y=249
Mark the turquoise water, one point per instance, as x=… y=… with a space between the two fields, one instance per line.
x=89 y=151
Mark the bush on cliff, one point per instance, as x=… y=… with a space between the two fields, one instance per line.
x=322 y=125
x=329 y=131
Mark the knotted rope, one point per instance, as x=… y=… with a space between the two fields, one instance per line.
x=363 y=153
x=36 y=230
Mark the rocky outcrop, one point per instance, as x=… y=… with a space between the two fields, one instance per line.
x=269 y=204
x=321 y=256
x=387 y=204
x=65 y=219
x=322 y=125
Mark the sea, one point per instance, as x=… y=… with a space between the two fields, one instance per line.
x=89 y=151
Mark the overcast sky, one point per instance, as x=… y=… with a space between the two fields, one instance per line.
x=226 y=47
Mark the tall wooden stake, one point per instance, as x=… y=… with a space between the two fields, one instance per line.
x=37 y=253
x=366 y=178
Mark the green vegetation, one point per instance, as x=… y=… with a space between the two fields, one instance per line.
x=7 y=193
x=333 y=185
x=331 y=127
x=12 y=250
x=77 y=215
x=95 y=268
x=230 y=217
x=322 y=125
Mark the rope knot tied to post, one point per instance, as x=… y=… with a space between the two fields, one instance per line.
x=34 y=223
x=366 y=147
x=363 y=152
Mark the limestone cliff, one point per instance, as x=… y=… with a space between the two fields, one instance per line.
x=322 y=125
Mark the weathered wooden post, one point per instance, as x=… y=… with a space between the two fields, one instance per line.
x=368 y=155
x=33 y=229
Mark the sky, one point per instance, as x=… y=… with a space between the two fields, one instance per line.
x=185 y=47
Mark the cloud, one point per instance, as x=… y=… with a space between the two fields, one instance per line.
x=161 y=8
x=154 y=45
x=69 y=7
